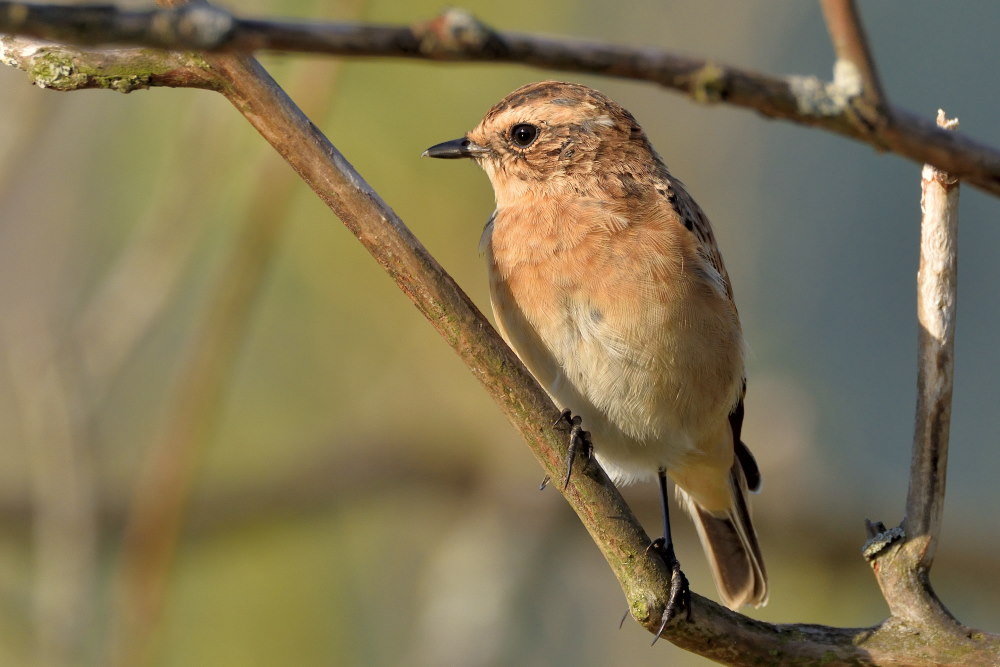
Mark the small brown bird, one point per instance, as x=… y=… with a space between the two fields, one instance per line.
x=606 y=280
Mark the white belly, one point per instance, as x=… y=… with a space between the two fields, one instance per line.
x=632 y=397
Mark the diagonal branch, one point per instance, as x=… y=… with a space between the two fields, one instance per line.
x=456 y=35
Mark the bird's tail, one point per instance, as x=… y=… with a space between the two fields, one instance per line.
x=730 y=541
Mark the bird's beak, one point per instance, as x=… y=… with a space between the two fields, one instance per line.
x=456 y=148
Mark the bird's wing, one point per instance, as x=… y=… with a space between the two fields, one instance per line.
x=695 y=220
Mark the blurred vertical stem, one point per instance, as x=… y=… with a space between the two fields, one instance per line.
x=63 y=496
x=164 y=487
x=140 y=284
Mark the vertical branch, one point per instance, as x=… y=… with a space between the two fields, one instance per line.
x=851 y=44
x=936 y=297
x=855 y=71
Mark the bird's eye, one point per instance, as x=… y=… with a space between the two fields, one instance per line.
x=523 y=134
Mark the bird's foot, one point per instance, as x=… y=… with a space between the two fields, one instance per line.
x=679 y=594
x=579 y=442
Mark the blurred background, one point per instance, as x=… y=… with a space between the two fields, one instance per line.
x=196 y=355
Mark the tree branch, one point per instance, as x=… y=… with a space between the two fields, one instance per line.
x=456 y=35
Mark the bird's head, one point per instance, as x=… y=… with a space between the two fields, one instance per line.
x=553 y=137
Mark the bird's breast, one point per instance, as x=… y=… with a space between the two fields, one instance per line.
x=608 y=315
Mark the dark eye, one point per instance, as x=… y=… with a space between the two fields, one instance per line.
x=523 y=134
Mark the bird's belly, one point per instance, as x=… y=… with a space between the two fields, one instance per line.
x=629 y=401
x=643 y=398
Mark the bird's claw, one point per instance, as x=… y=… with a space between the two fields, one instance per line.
x=679 y=593
x=579 y=441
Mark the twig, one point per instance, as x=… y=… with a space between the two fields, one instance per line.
x=904 y=555
x=455 y=35
x=937 y=289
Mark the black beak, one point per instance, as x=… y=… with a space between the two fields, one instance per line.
x=455 y=148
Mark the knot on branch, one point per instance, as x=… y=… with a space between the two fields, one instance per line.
x=456 y=32
x=815 y=97
x=54 y=67
x=709 y=84
x=845 y=96
x=879 y=537
x=198 y=27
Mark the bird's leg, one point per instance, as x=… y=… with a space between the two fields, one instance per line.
x=679 y=595
x=579 y=442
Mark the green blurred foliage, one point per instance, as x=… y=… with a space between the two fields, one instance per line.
x=361 y=501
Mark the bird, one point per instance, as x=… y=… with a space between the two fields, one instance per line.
x=606 y=280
